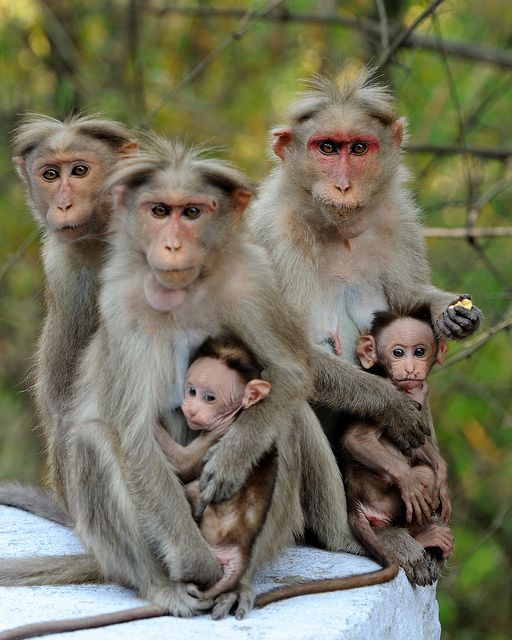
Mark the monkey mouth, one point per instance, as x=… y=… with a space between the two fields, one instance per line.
x=410 y=383
x=176 y=278
x=72 y=231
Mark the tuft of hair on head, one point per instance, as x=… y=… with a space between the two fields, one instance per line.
x=158 y=153
x=347 y=87
x=34 y=128
x=233 y=353
x=419 y=311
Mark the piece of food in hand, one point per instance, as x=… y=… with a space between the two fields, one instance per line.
x=464 y=302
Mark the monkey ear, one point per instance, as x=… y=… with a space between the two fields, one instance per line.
x=21 y=169
x=240 y=199
x=366 y=351
x=442 y=348
x=255 y=390
x=128 y=148
x=398 y=127
x=283 y=138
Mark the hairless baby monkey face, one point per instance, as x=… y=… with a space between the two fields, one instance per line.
x=406 y=349
x=214 y=393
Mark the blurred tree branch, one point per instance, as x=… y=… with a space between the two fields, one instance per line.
x=501 y=58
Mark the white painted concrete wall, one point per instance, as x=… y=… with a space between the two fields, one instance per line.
x=392 y=611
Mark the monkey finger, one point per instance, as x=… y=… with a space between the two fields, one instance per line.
x=408 y=511
x=223 y=605
x=448 y=327
x=245 y=603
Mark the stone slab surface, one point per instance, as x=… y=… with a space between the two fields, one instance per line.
x=392 y=611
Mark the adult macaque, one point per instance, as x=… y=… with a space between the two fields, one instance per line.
x=385 y=488
x=344 y=235
x=179 y=270
x=65 y=166
x=223 y=380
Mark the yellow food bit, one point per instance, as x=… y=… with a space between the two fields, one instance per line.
x=465 y=302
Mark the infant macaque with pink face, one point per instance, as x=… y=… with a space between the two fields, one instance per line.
x=222 y=380
x=384 y=486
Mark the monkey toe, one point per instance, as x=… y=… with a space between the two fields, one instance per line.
x=240 y=601
x=223 y=605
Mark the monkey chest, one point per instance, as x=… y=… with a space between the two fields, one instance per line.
x=344 y=312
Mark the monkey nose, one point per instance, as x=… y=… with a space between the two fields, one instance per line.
x=343 y=187
x=64 y=206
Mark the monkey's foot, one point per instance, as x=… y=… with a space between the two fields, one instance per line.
x=179 y=599
x=436 y=536
x=240 y=599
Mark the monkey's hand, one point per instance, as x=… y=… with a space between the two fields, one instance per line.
x=416 y=495
x=404 y=424
x=218 y=482
x=179 y=599
x=242 y=598
x=459 y=319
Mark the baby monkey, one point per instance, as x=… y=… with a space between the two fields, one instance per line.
x=384 y=487
x=223 y=379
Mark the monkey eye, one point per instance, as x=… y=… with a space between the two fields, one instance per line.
x=191 y=212
x=191 y=391
x=398 y=352
x=50 y=174
x=160 y=210
x=209 y=398
x=327 y=147
x=358 y=148
x=420 y=352
x=80 y=170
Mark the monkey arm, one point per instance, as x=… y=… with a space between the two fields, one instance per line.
x=364 y=442
x=428 y=454
x=188 y=461
x=261 y=320
x=341 y=386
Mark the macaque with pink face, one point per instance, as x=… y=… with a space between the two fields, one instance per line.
x=222 y=380
x=384 y=487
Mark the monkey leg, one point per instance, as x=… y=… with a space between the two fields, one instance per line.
x=109 y=526
x=323 y=495
x=420 y=566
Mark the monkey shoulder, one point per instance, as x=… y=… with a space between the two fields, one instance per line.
x=251 y=276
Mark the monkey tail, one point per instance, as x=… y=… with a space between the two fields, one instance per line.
x=49 y=570
x=87 y=622
x=329 y=584
x=370 y=541
x=33 y=499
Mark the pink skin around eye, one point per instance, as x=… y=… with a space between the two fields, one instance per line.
x=343 y=142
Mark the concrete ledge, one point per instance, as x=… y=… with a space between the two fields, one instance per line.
x=392 y=611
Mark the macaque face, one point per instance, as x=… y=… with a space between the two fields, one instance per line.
x=407 y=350
x=65 y=181
x=348 y=159
x=213 y=394
x=170 y=228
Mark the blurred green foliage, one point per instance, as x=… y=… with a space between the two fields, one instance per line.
x=123 y=58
